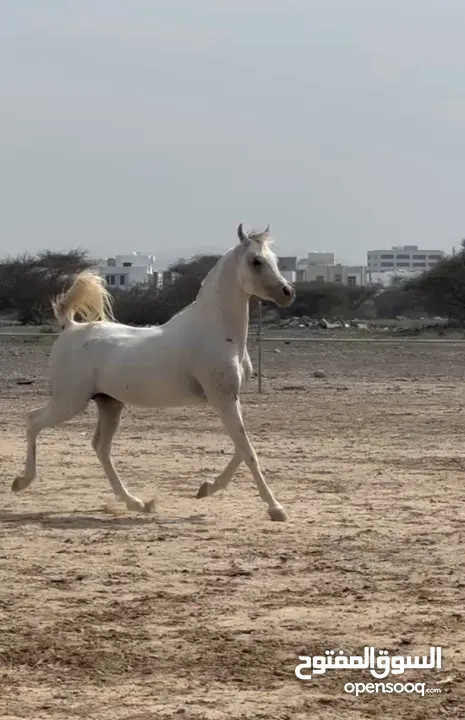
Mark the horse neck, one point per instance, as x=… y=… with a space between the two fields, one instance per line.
x=222 y=300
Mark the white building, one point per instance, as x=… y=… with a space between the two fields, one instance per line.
x=341 y=274
x=321 y=267
x=301 y=271
x=405 y=257
x=123 y=271
x=288 y=267
x=320 y=258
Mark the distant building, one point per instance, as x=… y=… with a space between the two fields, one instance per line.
x=288 y=268
x=320 y=258
x=321 y=267
x=404 y=258
x=301 y=272
x=123 y=271
x=339 y=274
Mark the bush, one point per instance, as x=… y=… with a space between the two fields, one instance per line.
x=28 y=282
x=441 y=290
x=318 y=299
x=395 y=301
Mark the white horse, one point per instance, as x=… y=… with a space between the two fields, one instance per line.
x=199 y=356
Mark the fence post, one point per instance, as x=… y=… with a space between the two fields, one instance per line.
x=259 y=346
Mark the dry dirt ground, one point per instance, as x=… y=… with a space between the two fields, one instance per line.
x=201 y=610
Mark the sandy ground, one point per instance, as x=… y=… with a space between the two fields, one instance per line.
x=201 y=610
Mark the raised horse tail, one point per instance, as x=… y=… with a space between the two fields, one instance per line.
x=87 y=296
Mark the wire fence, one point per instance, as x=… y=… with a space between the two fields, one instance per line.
x=256 y=332
x=261 y=338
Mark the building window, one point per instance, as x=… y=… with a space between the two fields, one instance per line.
x=127 y=264
x=110 y=280
x=320 y=278
x=419 y=257
x=403 y=264
x=434 y=257
x=351 y=280
x=419 y=264
x=387 y=264
x=338 y=278
x=402 y=257
x=387 y=257
x=122 y=279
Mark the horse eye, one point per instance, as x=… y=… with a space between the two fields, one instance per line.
x=256 y=262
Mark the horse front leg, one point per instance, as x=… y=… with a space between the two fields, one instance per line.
x=229 y=409
x=221 y=482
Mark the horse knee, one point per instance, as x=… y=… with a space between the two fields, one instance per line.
x=31 y=421
x=247 y=370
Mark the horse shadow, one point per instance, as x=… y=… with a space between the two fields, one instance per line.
x=82 y=520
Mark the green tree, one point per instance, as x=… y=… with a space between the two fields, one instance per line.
x=28 y=282
x=320 y=299
x=441 y=290
x=395 y=301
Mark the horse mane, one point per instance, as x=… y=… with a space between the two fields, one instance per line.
x=260 y=236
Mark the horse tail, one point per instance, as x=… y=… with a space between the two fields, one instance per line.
x=87 y=296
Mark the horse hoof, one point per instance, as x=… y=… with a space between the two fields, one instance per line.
x=135 y=505
x=204 y=490
x=149 y=507
x=278 y=514
x=19 y=483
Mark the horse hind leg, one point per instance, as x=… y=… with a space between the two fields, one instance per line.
x=109 y=415
x=54 y=413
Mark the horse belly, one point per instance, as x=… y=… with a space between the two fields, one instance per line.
x=164 y=390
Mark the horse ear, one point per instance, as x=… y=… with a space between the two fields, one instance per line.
x=242 y=235
x=266 y=230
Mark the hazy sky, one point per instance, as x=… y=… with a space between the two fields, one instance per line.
x=160 y=125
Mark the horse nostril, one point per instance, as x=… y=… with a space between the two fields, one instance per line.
x=286 y=291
